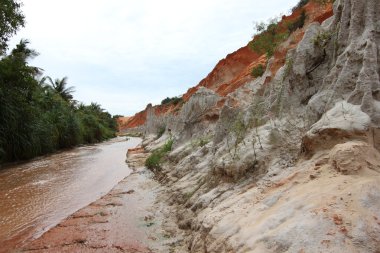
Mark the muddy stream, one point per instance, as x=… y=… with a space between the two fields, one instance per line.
x=36 y=195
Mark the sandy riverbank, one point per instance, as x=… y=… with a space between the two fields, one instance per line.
x=128 y=219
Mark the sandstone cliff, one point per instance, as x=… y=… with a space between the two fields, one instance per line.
x=287 y=162
x=234 y=71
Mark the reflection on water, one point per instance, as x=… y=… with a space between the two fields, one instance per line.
x=36 y=195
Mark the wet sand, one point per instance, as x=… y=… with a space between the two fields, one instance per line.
x=128 y=219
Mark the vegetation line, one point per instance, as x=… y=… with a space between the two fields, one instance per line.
x=37 y=117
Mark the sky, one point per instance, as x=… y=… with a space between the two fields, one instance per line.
x=124 y=54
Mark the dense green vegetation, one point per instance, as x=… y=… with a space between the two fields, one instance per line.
x=270 y=35
x=153 y=162
x=37 y=118
x=173 y=100
x=11 y=19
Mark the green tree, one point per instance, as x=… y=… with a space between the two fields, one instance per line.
x=17 y=113
x=60 y=86
x=36 y=118
x=11 y=19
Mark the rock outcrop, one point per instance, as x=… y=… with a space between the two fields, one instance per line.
x=288 y=162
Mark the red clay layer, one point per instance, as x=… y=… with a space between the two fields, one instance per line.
x=235 y=70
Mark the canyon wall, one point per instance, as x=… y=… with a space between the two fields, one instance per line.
x=289 y=161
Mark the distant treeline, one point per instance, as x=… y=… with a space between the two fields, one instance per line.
x=38 y=115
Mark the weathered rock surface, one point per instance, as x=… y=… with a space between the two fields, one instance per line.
x=288 y=162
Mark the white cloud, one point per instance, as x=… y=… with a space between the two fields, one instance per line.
x=125 y=54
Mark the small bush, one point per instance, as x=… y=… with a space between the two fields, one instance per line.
x=173 y=100
x=154 y=161
x=201 y=142
x=258 y=71
x=322 y=39
x=160 y=132
x=298 y=23
x=168 y=146
x=238 y=129
x=269 y=37
x=288 y=67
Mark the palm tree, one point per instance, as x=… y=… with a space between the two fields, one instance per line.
x=42 y=81
x=60 y=86
x=43 y=84
x=95 y=107
x=24 y=51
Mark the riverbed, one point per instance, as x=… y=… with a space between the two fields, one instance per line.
x=36 y=195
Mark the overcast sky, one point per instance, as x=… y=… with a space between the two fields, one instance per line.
x=125 y=54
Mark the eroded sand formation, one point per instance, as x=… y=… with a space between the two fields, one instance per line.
x=288 y=162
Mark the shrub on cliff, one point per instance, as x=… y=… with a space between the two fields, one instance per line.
x=298 y=23
x=268 y=38
x=269 y=35
x=160 y=132
x=173 y=100
x=258 y=71
x=153 y=162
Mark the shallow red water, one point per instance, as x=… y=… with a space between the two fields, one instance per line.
x=36 y=195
